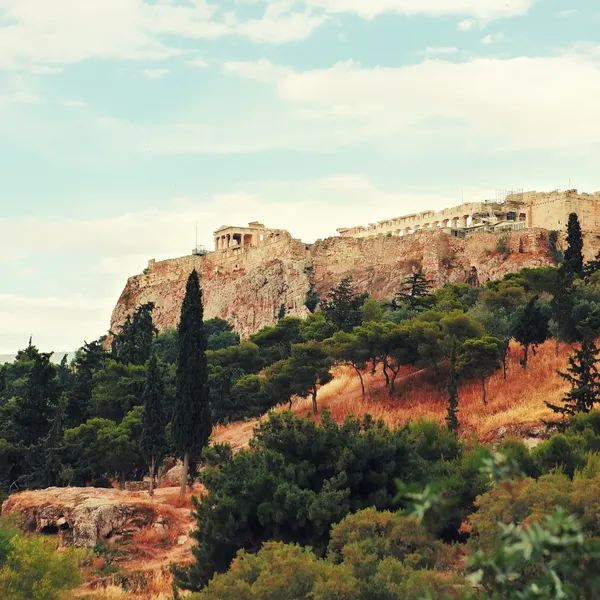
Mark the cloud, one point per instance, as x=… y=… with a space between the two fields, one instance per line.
x=485 y=10
x=469 y=99
x=56 y=323
x=45 y=35
x=110 y=249
x=492 y=38
x=567 y=13
x=466 y=24
x=155 y=73
x=198 y=63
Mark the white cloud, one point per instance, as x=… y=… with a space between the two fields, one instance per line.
x=567 y=13
x=486 y=10
x=492 y=38
x=41 y=34
x=441 y=50
x=466 y=24
x=155 y=73
x=391 y=103
x=111 y=249
x=198 y=63
x=55 y=323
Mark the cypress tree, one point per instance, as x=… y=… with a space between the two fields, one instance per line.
x=192 y=419
x=584 y=378
x=574 y=252
x=152 y=441
x=452 y=417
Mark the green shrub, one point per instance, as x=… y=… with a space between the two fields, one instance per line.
x=528 y=500
x=559 y=452
x=515 y=450
x=301 y=477
x=282 y=572
x=36 y=570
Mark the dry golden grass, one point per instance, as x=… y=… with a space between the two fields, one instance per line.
x=514 y=404
x=155 y=586
x=518 y=401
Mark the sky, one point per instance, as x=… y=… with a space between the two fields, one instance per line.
x=124 y=123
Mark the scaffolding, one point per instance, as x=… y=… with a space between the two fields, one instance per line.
x=503 y=194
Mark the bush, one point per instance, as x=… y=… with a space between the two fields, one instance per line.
x=35 y=570
x=528 y=500
x=300 y=478
x=559 y=452
x=284 y=572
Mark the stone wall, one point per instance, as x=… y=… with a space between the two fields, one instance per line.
x=249 y=286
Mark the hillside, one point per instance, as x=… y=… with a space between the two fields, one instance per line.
x=250 y=287
x=514 y=407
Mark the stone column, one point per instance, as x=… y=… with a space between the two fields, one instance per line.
x=464 y=220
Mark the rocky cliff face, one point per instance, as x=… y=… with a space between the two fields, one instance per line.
x=248 y=287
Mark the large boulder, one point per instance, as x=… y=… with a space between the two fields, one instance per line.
x=81 y=516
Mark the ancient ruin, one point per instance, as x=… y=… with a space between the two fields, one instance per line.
x=520 y=210
x=255 y=273
x=256 y=234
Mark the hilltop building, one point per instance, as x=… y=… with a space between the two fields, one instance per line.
x=522 y=210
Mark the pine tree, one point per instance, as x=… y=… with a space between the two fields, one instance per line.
x=574 y=252
x=584 y=378
x=153 y=441
x=192 y=419
x=414 y=289
x=452 y=417
x=133 y=343
x=530 y=328
x=342 y=307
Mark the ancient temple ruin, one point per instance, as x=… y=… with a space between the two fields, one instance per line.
x=256 y=234
x=547 y=210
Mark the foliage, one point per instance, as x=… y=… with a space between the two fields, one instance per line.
x=301 y=477
x=220 y=334
x=574 y=253
x=480 y=358
x=551 y=559
x=342 y=306
x=415 y=291
x=34 y=570
x=192 y=424
x=133 y=343
x=312 y=299
x=502 y=247
x=584 y=377
x=153 y=443
x=556 y=254
x=530 y=327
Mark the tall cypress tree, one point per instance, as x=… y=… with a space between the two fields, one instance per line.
x=153 y=441
x=574 y=252
x=192 y=419
x=452 y=417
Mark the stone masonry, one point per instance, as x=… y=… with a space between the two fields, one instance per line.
x=256 y=273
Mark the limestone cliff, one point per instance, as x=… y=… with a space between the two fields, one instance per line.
x=248 y=286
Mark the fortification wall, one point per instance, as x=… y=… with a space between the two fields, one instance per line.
x=249 y=286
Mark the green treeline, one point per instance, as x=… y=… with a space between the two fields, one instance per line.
x=115 y=414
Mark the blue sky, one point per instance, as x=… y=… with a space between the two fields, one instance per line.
x=123 y=122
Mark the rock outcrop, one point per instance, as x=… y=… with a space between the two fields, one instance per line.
x=251 y=287
x=81 y=516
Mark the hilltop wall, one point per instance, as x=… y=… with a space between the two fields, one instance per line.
x=248 y=286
